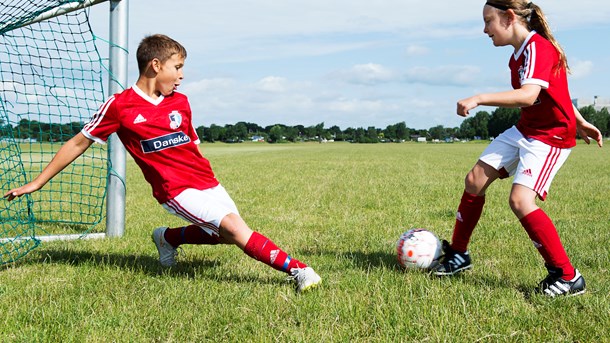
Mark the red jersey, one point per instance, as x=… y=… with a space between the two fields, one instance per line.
x=551 y=118
x=159 y=135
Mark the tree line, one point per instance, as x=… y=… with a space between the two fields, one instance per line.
x=482 y=125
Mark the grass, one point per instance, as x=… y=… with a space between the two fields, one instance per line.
x=340 y=208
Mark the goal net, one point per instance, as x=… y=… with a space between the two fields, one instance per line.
x=50 y=85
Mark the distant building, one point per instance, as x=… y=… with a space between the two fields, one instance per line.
x=597 y=102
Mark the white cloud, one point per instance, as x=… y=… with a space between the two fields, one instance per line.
x=208 y=85
x=581 y=69
x=366 y=74
x=444 y=75
x=272 y=84
x=417 y=50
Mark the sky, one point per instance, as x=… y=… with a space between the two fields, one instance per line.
x=351 y=63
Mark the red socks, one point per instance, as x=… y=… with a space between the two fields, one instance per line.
x=258 y=247
x=263 y=249
x=468 y=214
x=191 y=234
x=544 y=235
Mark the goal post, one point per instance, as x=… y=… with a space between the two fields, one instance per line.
x=51 y=82
x=115 y=203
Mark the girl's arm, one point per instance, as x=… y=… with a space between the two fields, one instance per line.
x=521 y=97
x=72 y=149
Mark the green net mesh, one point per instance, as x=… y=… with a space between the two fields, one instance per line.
x=50 y=85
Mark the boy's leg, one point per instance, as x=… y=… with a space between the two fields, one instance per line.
x=234 y=230
x=191 y=234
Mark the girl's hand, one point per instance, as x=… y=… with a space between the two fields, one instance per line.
x=465 y=105
x=587 y=130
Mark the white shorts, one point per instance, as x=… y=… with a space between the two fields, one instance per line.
x=205 y=208
x=533 y=163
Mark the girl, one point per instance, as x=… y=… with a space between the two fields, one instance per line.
x=533 y=150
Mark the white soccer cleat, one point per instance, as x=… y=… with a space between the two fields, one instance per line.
x=305 y=278
x=167 y=253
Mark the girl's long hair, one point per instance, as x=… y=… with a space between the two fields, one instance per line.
x=533 y=17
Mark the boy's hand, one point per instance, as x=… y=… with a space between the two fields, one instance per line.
x=17 y=192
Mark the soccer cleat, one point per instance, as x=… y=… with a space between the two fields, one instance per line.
x=452 y=262
x=554 y=285
x=305 y=278
x=167 y=253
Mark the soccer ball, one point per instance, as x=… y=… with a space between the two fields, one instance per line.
x=418 y=249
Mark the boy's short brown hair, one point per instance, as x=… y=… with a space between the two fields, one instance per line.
x=157 y=46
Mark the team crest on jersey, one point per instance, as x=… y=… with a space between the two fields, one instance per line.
x=175 y=119
x=521 y=72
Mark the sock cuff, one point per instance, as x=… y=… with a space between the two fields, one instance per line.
x=473 y=198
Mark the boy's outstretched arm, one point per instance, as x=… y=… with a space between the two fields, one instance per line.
x=72 y=149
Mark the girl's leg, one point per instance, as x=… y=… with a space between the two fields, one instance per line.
x=540 y=229
x=471 y=204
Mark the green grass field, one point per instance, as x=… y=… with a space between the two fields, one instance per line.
x=340 y=208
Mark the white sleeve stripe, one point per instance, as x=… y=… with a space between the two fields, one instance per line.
x=91 y=137
x=99 y=115
x=530 y=61
x=541 y=83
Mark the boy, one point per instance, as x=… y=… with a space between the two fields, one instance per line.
x=154 y=123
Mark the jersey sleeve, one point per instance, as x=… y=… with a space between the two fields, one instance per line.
x=103 y=123
x=539 y=62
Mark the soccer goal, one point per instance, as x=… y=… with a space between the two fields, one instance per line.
x=51 y=82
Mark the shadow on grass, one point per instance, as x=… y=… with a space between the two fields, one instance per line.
x=191 y=269
x=384 y=260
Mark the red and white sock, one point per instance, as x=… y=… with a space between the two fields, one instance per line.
x=468 y=215
x=263 y=249
x=543 y=234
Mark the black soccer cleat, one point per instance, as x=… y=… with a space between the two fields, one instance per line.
x=452 y=262
x=554 y=285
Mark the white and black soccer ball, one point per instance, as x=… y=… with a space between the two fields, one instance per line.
x=418 y=249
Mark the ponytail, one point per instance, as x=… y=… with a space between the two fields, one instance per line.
x=533 y=17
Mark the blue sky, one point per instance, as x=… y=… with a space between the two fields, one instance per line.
x=352 y=63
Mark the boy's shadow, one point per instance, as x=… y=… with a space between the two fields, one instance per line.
x=143 y=264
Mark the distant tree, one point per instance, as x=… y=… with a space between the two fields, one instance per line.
x=466 y=130
x=587 y=112
x=390 y=132
x=402 y=131
x=241 y=131
x=291 y=134
x=350 y=134
x=310 y=132
x=601 y=120
x=372 y=135
x=437 y=132
x=213 y=133
x=481 y=119
x=276 y=133
x=501 y=119
x=336 y=133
